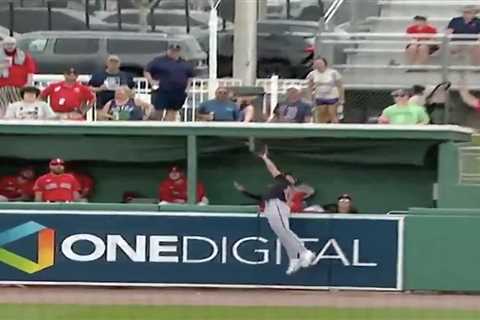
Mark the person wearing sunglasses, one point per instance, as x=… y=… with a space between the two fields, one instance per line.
x=344 y=205
x=69 y=98
x=403 y=112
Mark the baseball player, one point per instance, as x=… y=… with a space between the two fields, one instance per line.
x=277 y=212
x=57 y=186
x=19 y=187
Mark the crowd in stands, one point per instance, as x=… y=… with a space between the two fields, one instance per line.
x=111 y=90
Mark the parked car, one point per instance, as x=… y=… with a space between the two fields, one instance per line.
x=284 y=47
x=36 y=19
x=307 y=10
x=87 y=50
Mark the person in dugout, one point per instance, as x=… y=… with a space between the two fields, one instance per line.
x=173 y=190
x=18 y=187
x=57 y=186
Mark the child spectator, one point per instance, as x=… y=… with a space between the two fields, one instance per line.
x=418 y=52
x=30 y=107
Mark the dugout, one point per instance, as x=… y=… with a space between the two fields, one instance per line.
x=384 y=167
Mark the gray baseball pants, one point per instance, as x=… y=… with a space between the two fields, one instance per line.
x=277 y=213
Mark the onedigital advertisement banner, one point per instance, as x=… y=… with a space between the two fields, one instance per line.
x=67 y=247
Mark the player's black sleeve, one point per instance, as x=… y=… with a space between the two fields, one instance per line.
x=252 y=195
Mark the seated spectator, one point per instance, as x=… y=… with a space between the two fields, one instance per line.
x=344 y=205
x=19 y=187
x=57 y=186
x=125 y=107
x=469 y=98
x=293 y=109
x=418 y=95
x=221 y=108
x=417 y=52
x=173 y=190
x=105 y=82
x=466 y=24
x=30 y=107
x=403 y=112
x=69 y=98
x=246 y=109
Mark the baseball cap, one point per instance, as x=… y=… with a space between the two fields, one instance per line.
x=57 y=161
x=345 y=196
x=174 y=46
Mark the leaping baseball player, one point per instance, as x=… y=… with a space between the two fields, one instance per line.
x=277 y=212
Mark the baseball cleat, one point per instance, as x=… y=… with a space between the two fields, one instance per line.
x=307 y=258
x=293 y=266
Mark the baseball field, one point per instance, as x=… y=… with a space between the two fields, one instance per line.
x=41 y=303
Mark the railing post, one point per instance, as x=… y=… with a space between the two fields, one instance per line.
x=273 y=93
x=445 y=72
x=119 y=14
x=192 y=169
x=12 y=18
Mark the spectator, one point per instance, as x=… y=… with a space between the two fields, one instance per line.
x=19 y=187
x=344 y=205
x=326 y=88
x=246 y=109
x=173 y=189
x=16 y=71
x=468 y=24
x=30 y=107
x=169 y=77
x=69 y=98
x=293 y=110
x=125 y=107
x=417 y=51
x=403 y=112
x=418 y=95
x=221 y=108
x=105 y=82
x=433 y=99
x=57 y=186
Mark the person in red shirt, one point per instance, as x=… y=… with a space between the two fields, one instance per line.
x=57 y=186
x=69 y=98
x=19 y=187
x=87 y=185
x=418 y=52
x=16 y=71
x=174 y=189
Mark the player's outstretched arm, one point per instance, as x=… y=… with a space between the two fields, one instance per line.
x=271 y=167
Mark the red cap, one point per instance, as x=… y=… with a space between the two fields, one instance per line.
x=57 y=161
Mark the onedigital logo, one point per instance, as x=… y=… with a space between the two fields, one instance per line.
x=46 y=245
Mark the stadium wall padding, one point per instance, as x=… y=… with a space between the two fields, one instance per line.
x=441 y=253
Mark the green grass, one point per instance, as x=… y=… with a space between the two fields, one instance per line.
x=84 y=312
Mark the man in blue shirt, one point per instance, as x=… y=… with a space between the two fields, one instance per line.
x=219 y=109
x=169 y=77
x=468 y=24
x=105 y=82
x=293 y=110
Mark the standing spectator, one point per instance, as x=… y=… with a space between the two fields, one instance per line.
x=467 y=24
x=30 y=107
x=19 y=187
x=105 y=82
x=417 y=52
x=174 y=189
x=246 y=110
x=293 y=110
x=169 y=77
x=221 y=108
x=403 y=112
x=16 y=71
x=57 y=186
x=69 y=98
x=326 y=88
x=125 y=107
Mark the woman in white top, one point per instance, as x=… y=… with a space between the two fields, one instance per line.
x=327 y=91
x=30 y=107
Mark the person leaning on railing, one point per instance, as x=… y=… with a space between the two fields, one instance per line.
x=327 y=92
x=403 y=112
x=467 y=24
